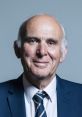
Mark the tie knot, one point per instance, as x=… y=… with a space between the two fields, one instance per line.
x=39 y=96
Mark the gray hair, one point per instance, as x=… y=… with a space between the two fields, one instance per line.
x=64 y=43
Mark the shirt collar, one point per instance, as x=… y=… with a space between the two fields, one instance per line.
x=51 y=89
x=31 y=90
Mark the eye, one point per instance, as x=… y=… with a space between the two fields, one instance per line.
x=31 y=40
x=52 y=42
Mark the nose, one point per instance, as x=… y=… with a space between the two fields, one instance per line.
x=41 y=50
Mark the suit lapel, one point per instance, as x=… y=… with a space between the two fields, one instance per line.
x=63 y=98
x=16 y=99
x=16 y=102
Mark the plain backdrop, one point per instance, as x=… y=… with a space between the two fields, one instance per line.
x=68 y=13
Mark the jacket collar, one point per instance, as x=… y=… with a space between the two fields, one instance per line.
x=16 y=98
x=16 y=102
x=63 y=97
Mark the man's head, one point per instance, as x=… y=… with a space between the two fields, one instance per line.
x=41 y=45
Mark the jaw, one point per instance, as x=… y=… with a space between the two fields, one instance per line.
x=38 y=81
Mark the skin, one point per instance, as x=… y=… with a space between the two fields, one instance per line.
x=41 y=51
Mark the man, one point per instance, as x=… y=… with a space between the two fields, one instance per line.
x=41 y=46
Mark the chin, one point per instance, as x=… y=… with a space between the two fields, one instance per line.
x=41 y=75
x=40 y=72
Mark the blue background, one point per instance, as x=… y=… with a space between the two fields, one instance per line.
x=14 y=12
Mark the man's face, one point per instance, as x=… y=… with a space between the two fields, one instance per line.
x=42 y=47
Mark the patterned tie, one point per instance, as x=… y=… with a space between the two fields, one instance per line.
x=39 y=107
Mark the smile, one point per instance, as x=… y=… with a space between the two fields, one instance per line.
x=41 y=64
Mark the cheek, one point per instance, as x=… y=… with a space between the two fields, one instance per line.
x=28 y=54
x=28 y=51
x=55 y=53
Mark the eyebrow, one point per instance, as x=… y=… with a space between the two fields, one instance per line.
x=38 y=38
x=28 y=38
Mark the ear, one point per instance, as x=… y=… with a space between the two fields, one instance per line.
x=63 y=54
x=17 y=49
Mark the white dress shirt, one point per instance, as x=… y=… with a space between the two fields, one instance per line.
x=49 y=104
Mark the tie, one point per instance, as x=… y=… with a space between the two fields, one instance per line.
x=39 y=107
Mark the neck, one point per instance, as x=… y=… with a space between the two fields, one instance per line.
x=39 y=82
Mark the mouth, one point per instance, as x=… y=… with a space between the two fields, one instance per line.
x=41 y=64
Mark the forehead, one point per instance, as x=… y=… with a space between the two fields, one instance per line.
x=44 y=26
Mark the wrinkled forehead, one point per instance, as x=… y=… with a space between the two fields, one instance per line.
x=44 y=25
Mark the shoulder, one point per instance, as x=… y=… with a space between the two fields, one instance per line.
x=4 y=86
x=8 y=85
x=68 y=84
x=69 y=88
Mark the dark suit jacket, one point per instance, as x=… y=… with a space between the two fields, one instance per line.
x=69 y=99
